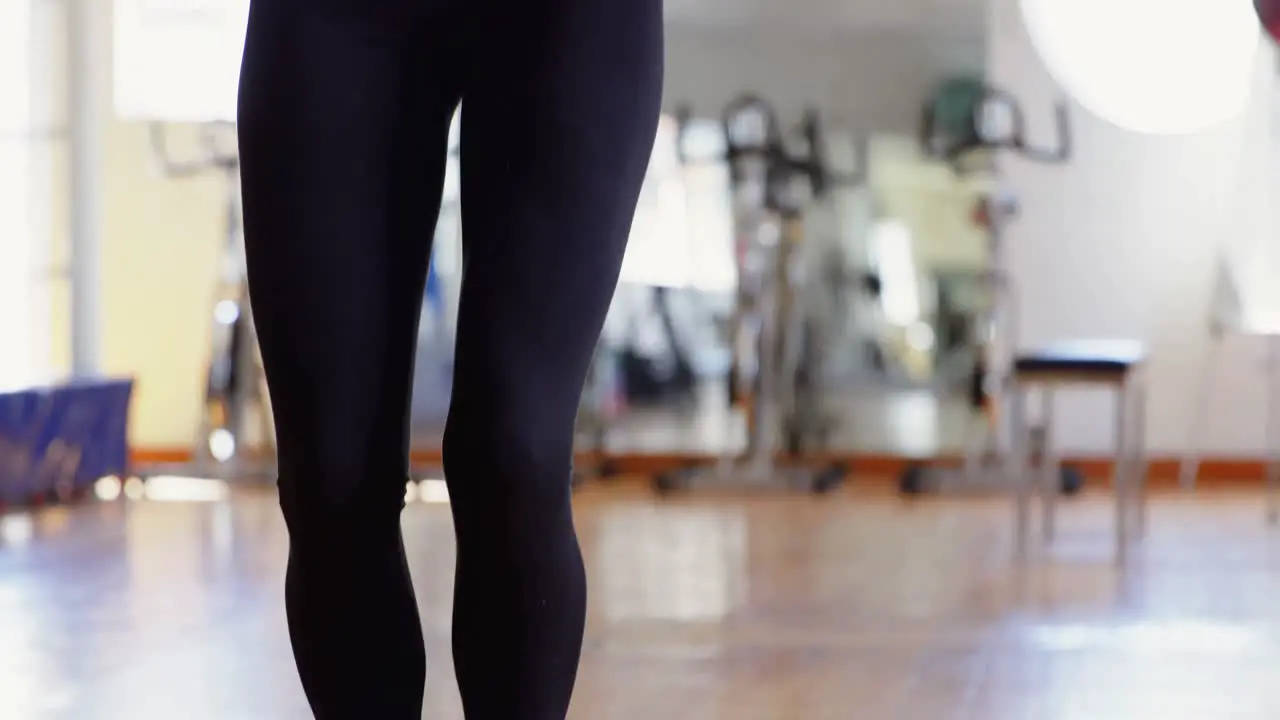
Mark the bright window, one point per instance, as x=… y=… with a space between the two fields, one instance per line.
x=682 y=235
x=178 y=60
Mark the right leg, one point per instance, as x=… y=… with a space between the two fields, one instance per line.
x=343 y=129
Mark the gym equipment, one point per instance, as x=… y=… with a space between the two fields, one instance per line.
x=657 y=376
x=770 y=334
x=57 y=442
x=235 y=391
x=1110 y=365
x=822 y=299
x=996 y=123
x=437 y=325
x=599 y=407
x=433 y=360
x=948 y=122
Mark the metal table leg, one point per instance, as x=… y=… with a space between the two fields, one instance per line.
x=1271 y=470
x=1049 y=474
x=1141 y=468
x=1017 y=467
x=1121 y=484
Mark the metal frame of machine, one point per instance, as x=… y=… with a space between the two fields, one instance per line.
x=997 y=123
x=781 y=396
x=235 y=379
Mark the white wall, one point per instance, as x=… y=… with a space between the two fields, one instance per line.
x=1124 y=241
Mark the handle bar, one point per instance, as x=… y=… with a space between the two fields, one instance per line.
x=1059 y=153
x=1016 y=141
x=771 y=147
x=214 y=157
x=820 y=173
x=741 y=107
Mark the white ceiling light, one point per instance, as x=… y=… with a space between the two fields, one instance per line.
x=1163 y=67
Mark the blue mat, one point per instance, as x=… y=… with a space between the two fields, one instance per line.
x=63 y=437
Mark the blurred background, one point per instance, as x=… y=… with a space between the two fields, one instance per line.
x=940 y=381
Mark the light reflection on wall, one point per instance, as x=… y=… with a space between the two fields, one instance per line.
x=675 y=564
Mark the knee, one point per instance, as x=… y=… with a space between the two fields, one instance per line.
x=514 y=462
x=335 y=489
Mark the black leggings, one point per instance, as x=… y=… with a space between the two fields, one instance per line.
x=344 y=113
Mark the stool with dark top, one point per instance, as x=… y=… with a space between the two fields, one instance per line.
x=1113 y=365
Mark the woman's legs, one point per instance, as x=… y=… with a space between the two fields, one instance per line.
x=559 y=116
x=343 y=129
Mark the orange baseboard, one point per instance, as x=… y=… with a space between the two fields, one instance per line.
x=159 y=456
x=1218 y=472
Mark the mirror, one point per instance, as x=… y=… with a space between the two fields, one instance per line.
x=888 y=256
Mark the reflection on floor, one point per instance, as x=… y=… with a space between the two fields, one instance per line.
x=764 y=609
x=911 y=423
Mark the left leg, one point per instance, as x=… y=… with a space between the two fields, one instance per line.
x=557 y=131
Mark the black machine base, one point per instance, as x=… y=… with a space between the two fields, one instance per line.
x=818 y=481
x=922 y=480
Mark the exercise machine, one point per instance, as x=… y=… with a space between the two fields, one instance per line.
x=818 y=285
x=995 y=123
x=597 y=410
x=772 y=372
x=656 y=374
x=433 y=360
x=235 y=390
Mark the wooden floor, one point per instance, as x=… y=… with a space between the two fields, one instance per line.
x=846 y=608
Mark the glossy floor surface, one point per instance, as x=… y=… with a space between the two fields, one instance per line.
x=842 y=608
x=914 y=423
